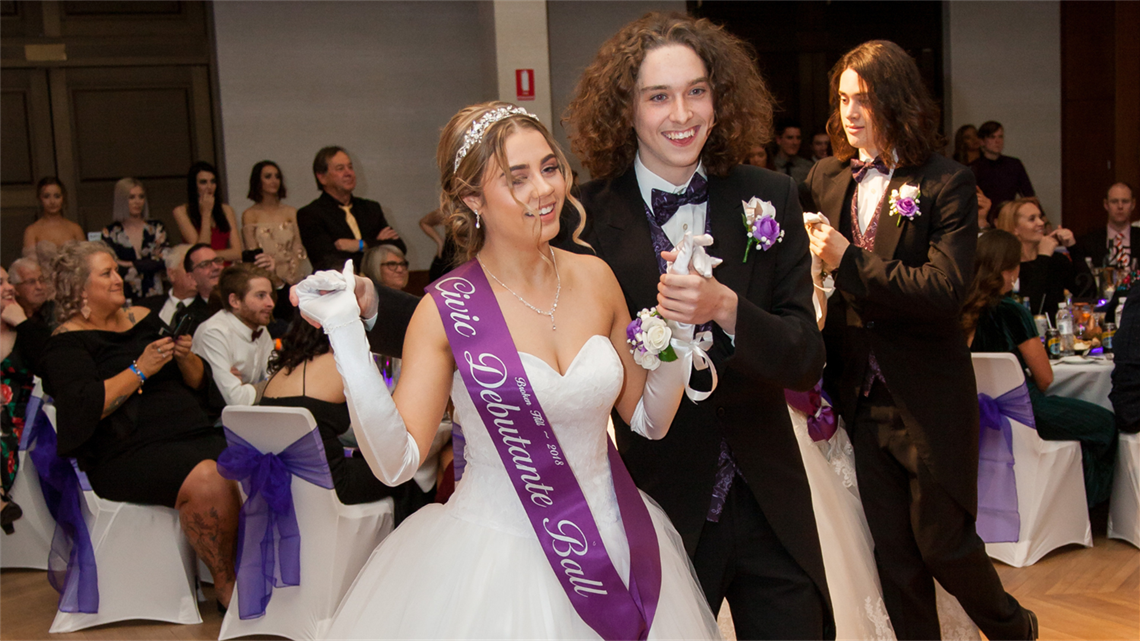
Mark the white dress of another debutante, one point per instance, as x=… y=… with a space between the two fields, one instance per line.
x=473 y=568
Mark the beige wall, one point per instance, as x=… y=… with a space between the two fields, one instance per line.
x=1004 y=64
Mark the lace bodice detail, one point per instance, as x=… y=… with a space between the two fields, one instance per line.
x=577 y=406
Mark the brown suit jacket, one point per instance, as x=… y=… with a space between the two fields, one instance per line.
x=903 y=301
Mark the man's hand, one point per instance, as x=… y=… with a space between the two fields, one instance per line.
x=387 y=234
x=347 y=244
x=365 y=293
x=695 y=299
x=828 y=244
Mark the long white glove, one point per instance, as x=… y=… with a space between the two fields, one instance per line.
x=664 y=389
x=383 y=438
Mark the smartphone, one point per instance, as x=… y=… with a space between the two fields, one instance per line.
x=250 y=255
x=181 y=327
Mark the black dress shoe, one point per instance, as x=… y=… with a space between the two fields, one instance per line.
x=9 y=515
x=1033 y=631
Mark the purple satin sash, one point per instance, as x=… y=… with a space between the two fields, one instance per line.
x=71 y=561
x=998 y=518
x=820 y=418
x=501 y=391
x=267 y=481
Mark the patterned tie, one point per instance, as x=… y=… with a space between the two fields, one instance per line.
x=860 y=168
x=665 y=204
x=1119 y=252
x=351 y=220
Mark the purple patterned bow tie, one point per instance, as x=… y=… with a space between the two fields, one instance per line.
x=665 y=204
x=859 y=168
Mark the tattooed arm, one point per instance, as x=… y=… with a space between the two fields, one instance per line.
x=118 y=388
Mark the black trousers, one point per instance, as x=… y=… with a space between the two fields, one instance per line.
x=921 y=533
x=741 y=559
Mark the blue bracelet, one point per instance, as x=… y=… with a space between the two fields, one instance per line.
x=361 y=244
x=138 y=372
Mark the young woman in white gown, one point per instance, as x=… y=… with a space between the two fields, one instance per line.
x=475 y=567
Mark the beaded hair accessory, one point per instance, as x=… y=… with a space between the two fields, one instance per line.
x=479 y=128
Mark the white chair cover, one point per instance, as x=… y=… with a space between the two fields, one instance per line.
x=145 y=565
x=1050 y=482
x=336 y=539
x=29 y=545
x=1124 y=507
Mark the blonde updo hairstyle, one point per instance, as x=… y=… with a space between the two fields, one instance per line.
x=466 y=180
x=70 y=271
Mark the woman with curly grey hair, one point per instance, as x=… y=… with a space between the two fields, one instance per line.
x=130 y=403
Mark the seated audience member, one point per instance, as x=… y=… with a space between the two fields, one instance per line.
x=33 y=291
x=444 y=259
x=1111 y=245
x=967 y=145
x=387 y=265
x=204 y=218
x=182 y=292
x=138 y=241
x=321 y=391
x=128 y=407
x=820 y=146
x=271 y=225
x=1045 y=273
x=21 y=344
x=1001 y=178
x=337 y=225
x=1125 y=395
x=788 y=159
x=234 y=341
x=994 y=322
x=760 y=158
x=51 y=226
x=204 y=267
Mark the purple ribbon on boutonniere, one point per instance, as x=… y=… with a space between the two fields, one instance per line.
x=267 y=481
x=760 y=225
x=550 y=494
x=998 y=518
x=71 y=561
x=820 y=418
x=904 y=203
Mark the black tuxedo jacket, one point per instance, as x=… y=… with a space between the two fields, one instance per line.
x=777 y=346
x=1094 y=245
x=322 y=223
x=903 y=301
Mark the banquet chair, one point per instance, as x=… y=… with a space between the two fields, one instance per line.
x=1124 y=506
x=144 y=562
x=1050 y=481
x=335 y=539
x=28 y=546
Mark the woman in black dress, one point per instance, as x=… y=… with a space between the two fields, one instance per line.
x=1045 y=272
x=130 y=407
x=303 y=374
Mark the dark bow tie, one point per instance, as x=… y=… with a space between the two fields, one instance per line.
x=859 y=168
x=257 y=334
x=665 y=204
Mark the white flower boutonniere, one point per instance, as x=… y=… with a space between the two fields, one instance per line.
x=760 y=225
x=904 y=203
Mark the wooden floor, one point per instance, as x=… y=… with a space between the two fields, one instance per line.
x=1077 y=593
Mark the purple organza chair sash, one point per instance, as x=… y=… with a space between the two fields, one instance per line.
x=820 y=418
x=268 y=509
x=71 y=561
x=998 y=518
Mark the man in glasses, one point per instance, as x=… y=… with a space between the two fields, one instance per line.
x=204 y=266
x=33 y=290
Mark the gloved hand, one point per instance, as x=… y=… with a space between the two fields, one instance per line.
x=664 y=388
x=327 y=297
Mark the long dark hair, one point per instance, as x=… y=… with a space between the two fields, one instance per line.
x=905 y=117
x=961 y=153
x=218 y=214
x=998 y=251
x=302 y=342
x=255 y=181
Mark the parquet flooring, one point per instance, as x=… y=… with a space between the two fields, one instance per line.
x=1077 y=593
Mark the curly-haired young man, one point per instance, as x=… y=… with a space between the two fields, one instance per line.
x=666 y=112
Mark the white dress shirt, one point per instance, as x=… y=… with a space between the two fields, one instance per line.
x=171 y=306
x=689 y=218
x=225 y=342
x=871 y=191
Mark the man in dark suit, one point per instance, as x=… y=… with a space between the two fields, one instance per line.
x=665 y=161
x=897 y=363
x=203 y=266
x=338 y=225
x=1111 y=245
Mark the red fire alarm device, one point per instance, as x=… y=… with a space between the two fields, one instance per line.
x=524 y=84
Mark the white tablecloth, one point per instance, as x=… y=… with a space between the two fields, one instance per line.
x=1088 y=380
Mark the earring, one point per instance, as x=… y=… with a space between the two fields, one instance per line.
x=476 y=218
x=85 y=310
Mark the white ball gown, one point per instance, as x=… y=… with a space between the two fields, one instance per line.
x=473 y=568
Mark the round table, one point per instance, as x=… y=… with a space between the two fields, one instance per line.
x=1087 y=379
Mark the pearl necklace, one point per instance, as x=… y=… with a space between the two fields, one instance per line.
x=522 y=300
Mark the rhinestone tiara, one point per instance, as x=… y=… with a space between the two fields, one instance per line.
x=479 y=128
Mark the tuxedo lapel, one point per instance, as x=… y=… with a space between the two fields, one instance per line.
x=890 y=229
x=834 y=195
x=624 y=241
x=729 y=235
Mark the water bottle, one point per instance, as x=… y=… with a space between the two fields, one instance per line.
x=1065 y=329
